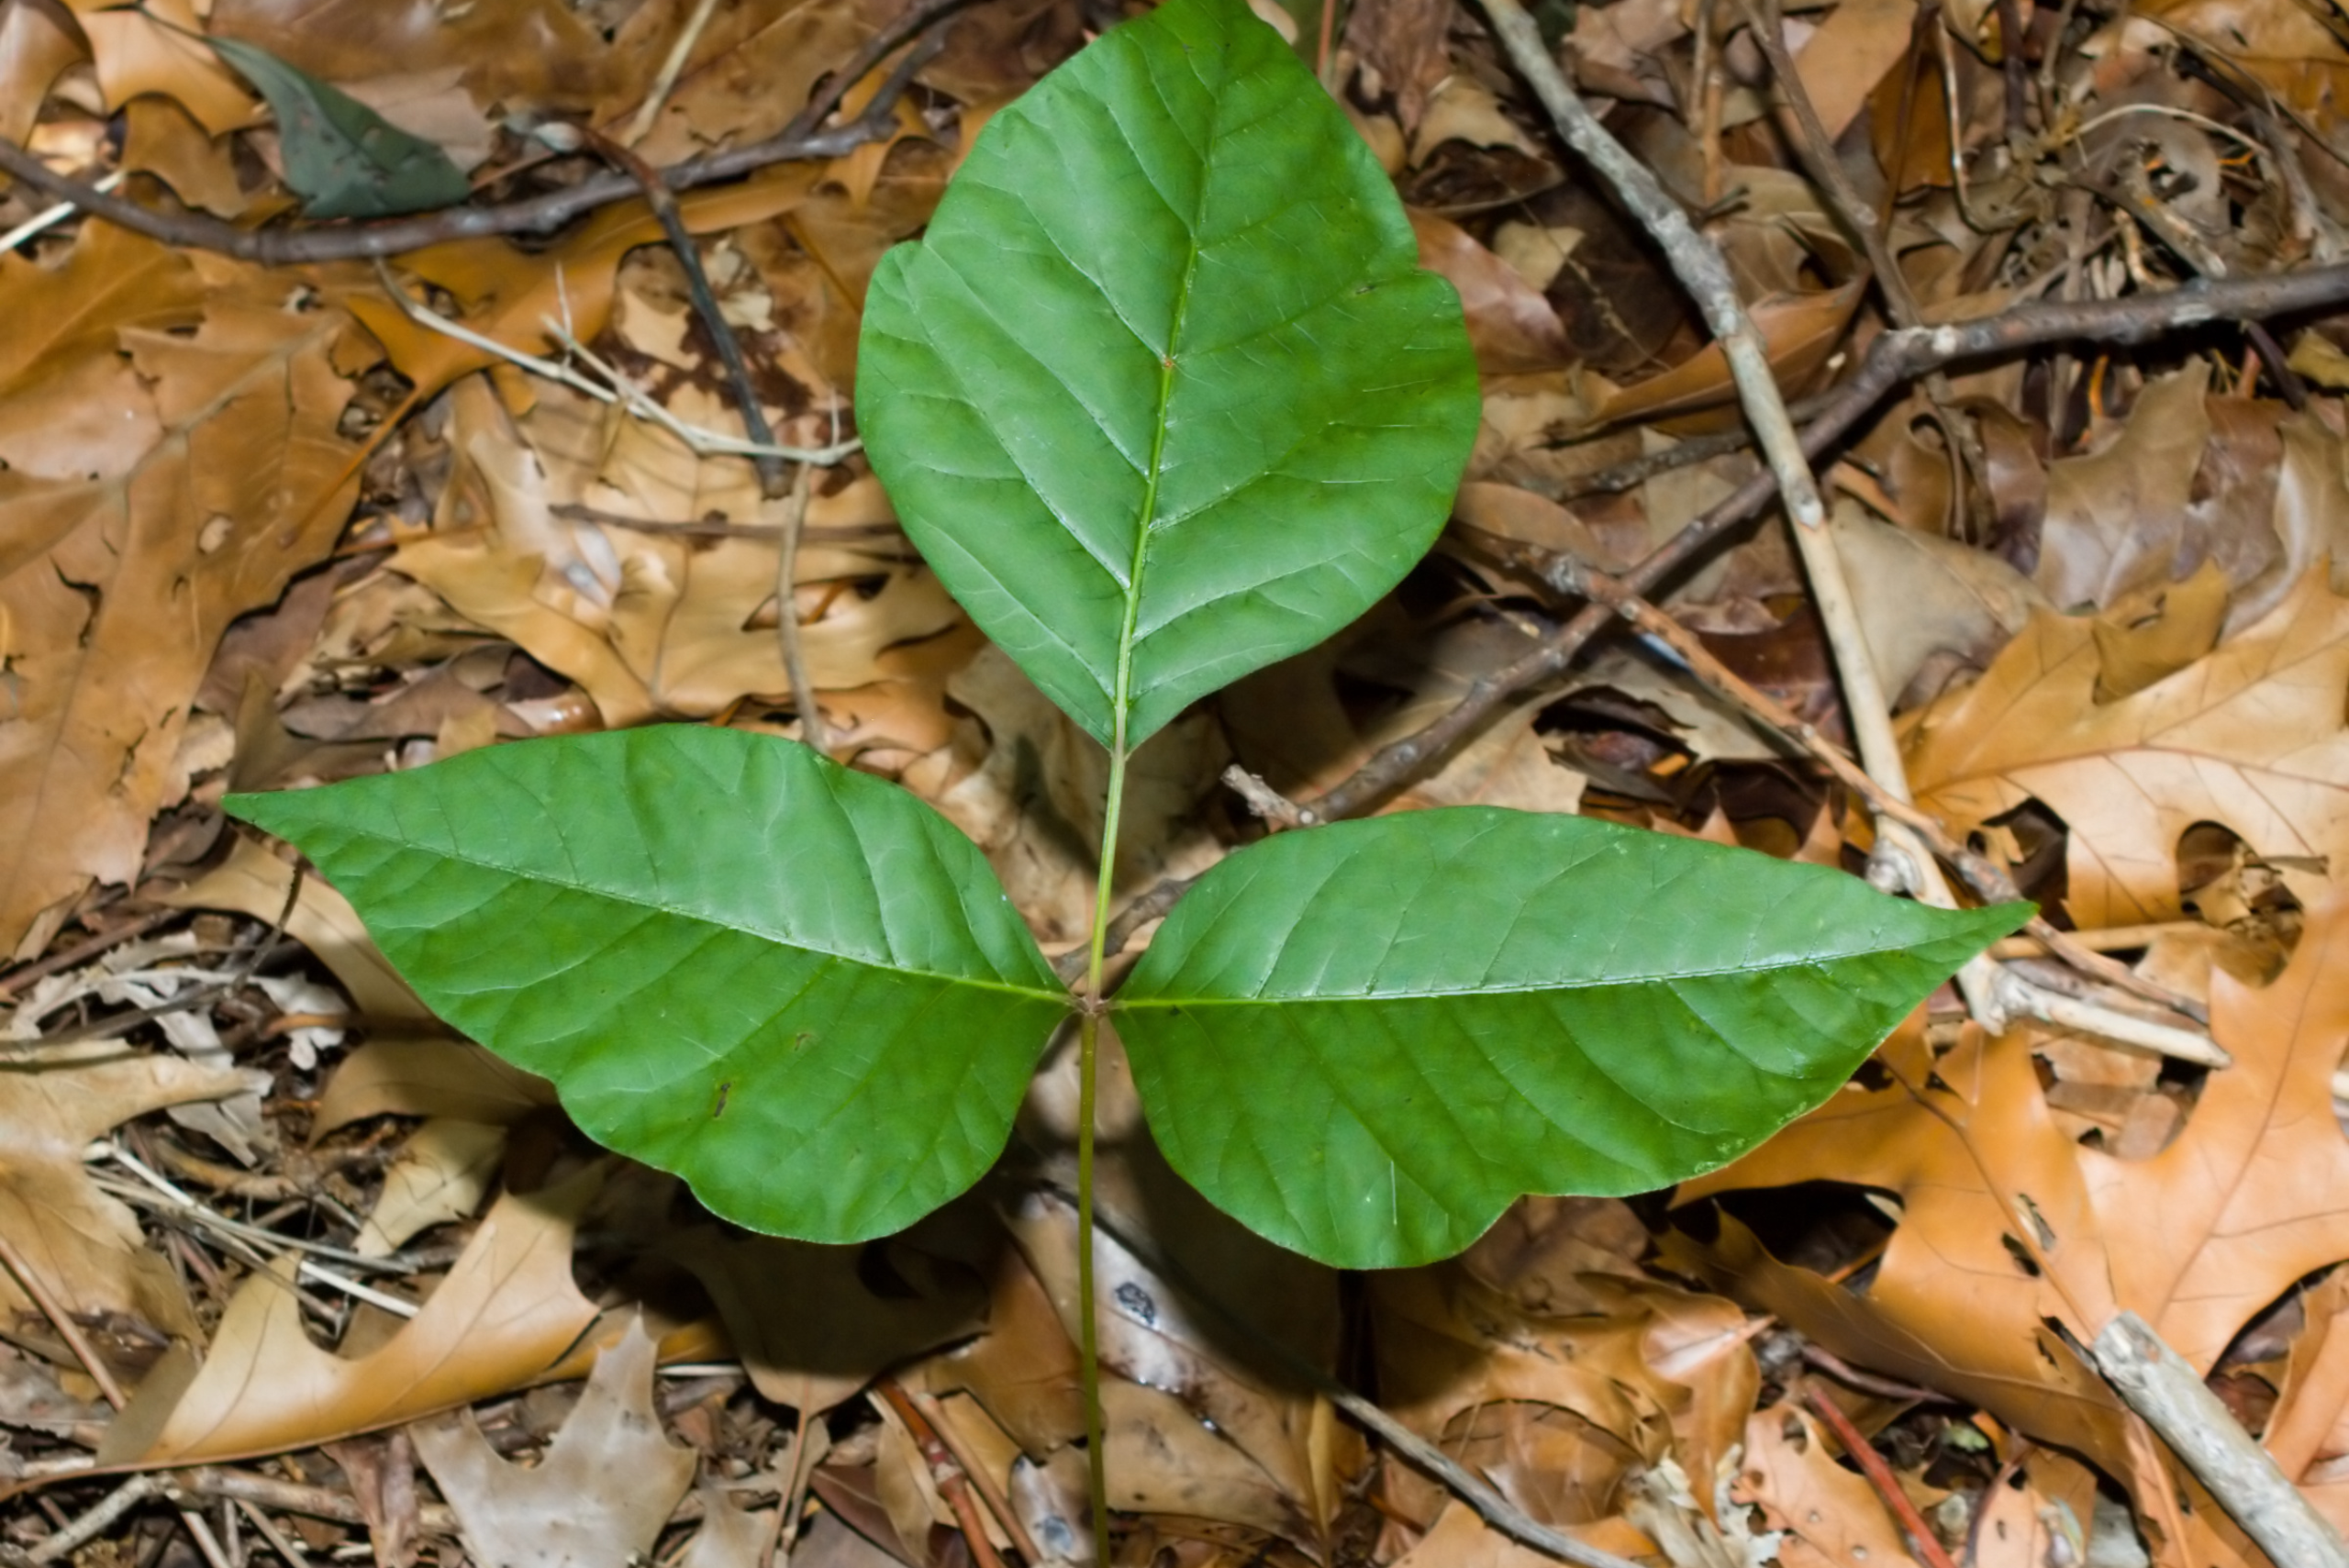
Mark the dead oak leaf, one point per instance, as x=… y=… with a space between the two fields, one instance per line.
x=115 y=588
x=85 y=1246
x=608 y=1484
x=506 y=1316
x=2007 y=1223
x=2249 y=737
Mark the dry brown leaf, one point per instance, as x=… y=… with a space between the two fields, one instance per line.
x=2250 y=738
x=808 y=1328
x=2252 y=1194
x=1460 y=1540
x=138 y=53
x=1163 y=1460
x=85 y=1246
x=600 y=1497
x=135 y=568
x=254 y=882
x=1842 y=61
x=1151 y=1333
x=2153 y=633
x=36 y=46
x=730 y=1537
x=2115 y=518
x=1831 y=1514
x=1921 y=595
x=440 y=1174
x=427 y=1077
x=511 y=296
x=1797 y=332
x=1655 y=1370
x=1511 y=326
x=1023 y=1370
x=524 y=54
x=504 y=1316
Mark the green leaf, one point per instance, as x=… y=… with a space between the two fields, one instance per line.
x=1365 y=1040
x=342 y=157
x=1164 y=396
x=794 y=986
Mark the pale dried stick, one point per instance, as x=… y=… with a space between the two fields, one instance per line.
x=1698 y=264
x=787 y=613
x=671 y=69
x=2162 y=1388
x=622 y=393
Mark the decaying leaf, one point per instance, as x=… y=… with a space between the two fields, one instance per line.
x=506 y=1314
x=2007 y=1224
x=84 y=1245
x=2249 y=737
x=1829 y=1515
x=221 y=472
x=599 y=1498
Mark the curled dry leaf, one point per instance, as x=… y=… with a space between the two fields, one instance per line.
x=608 y=1483
x=2007 y=1223
x=2249 y=737
x=2115 y=517
x=130 y=552
x=504 y=1316
x=647 y=623
x=1926 y=600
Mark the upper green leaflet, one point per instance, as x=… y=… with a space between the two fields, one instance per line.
x=1164 y=396
x=1367 y=1039
x=796 y=987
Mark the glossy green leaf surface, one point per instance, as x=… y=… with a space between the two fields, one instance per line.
x=796 y=987
x=1162 y=395
x=1365 y=1040
x=341 y=157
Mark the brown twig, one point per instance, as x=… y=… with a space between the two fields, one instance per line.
x=82 y=952
x=1930 y=1550
x=945 y=1473
x=664 y=202
x=989 y=1492
x=531 y=214
x=1893 y=360
x=63 y=1322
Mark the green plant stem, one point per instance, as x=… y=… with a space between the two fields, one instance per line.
x=1089 y=1036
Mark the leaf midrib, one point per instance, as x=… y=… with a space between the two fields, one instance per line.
x=1057 y=996
x=1664 y=977
x=1121 y=697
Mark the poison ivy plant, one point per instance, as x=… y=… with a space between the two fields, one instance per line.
x=1162 y=397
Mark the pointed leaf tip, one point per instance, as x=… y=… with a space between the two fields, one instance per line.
x=1367 y=1041
x=1164 y=395
x=796 y=987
